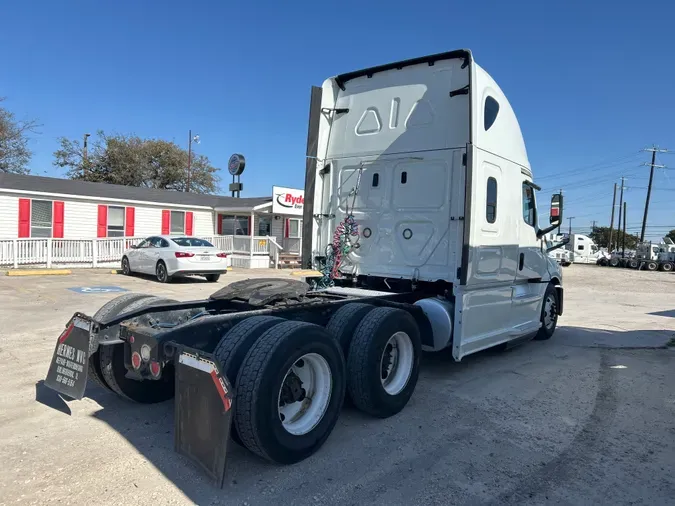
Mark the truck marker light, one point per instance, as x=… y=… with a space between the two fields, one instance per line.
x=136 y=360
x=132 y=339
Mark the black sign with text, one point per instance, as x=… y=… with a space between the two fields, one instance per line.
x=68 y=370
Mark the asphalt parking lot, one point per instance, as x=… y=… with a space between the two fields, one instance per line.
x=585 y=418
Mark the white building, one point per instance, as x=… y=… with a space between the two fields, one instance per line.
x=49 y=221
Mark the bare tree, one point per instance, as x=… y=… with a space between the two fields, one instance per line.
x=14 y=136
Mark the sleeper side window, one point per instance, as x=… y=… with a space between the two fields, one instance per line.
x=491 y=200
x=490 y=112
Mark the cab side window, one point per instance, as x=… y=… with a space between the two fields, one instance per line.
x=491 y=200
x=528 y=204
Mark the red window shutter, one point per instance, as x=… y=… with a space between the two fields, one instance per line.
x=219 y=223
x=189 y=222
x=129 y=222
x=250 y=226
x=24 y=217
x=288 y=228
x=57 y=220
x=166 y=222
x=102 y=230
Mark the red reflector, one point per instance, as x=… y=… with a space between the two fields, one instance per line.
x=182 y=254
x=555 y=211
x=155 y=368
x=221 y=255
x=136 y=360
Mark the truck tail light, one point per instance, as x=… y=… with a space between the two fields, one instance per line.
x=221 y=255
x=183 y=254
x=155 y=368
x=136 y=360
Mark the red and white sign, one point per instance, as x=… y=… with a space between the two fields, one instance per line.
x=287 y=200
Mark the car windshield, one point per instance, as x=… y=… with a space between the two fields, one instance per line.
x=188 y=242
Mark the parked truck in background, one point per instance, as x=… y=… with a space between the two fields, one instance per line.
x=421 y=219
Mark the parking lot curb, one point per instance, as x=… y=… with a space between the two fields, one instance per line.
x=38 y=272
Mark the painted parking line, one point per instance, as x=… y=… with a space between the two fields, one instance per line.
x=97 y=289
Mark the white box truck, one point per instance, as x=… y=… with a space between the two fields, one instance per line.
x=421 y=215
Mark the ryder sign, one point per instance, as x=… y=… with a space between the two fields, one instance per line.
x=287 y=200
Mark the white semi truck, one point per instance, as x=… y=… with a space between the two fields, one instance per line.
x=421 y=216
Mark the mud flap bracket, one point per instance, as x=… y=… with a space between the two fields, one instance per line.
x=203 y=414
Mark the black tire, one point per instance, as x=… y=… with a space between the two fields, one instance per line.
x=546 y=331
x=212 y=278
x=603 y=262
x=259 y=384
x=666 y=266
x=161 y=273
x=614 y=262
x=114 y=371
x=234 y=346
x=652 y=266
x=344 y=321
x=364 y=363
x=126 y=268
x=110 y=308
x=633 y=264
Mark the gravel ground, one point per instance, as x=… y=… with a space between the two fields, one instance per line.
x=585 y=418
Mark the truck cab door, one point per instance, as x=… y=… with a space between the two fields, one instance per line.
x=531 y=271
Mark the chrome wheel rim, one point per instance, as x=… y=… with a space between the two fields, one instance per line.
x=549 y=312
x=396 y=363
x=305 y=394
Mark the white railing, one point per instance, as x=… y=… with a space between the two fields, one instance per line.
x=94 y=252
x=293 y=245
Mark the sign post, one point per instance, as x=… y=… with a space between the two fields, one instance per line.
x=235 y=166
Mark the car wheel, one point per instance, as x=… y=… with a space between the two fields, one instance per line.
x=126 y=268
x=212 y=278
x=161 y=272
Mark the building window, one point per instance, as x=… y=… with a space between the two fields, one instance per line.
x=264 y=226
x=41 y=218
x=528 y=204
x=177 y=222
x=294 y=228
x=115 y=221
x=491 y=200
x=490 y=112
x=235 y=225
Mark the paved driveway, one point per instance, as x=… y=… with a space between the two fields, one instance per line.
x=585 y=418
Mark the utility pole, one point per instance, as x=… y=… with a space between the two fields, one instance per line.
x=654 y=150
x=611 y=221
x=623 y=247
x=570 y=232
x=85 y=157
x=593 y=226
x=618 y=227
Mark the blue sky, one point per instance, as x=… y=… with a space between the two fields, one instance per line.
x=591 y=84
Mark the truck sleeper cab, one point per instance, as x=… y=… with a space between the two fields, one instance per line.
x=420 y=214
x=427 y=158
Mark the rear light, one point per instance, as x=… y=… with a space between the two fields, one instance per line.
x=155 y=368
x=182 y=254
x=136 y=360
x=222 y=255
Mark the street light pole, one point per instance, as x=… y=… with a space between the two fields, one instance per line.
x=189 y=165
x=189 y=160
x=570 y=232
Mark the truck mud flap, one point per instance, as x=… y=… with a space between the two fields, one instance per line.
x=203 y=411
x=68 y=370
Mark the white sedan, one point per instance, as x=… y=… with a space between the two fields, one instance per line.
x=166 y=256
